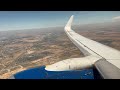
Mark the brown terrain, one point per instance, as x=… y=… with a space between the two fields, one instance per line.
x=23 y=49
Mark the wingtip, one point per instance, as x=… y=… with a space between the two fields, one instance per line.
x=69 y=23
x=72 y=16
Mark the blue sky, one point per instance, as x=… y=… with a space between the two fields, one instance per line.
x=18 y=20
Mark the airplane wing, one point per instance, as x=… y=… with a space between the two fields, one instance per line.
x=105 y=59
x=91 y=47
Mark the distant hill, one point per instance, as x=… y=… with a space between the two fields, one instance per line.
x=98 y=26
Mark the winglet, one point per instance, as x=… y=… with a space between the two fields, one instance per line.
x=68 y=25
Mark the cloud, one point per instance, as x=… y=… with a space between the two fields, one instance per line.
x=116 y=18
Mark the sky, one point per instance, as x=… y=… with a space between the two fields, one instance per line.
x=19 y=20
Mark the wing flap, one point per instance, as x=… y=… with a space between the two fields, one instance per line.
x=107 y=70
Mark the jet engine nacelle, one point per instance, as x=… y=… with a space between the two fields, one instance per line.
x=73 y=64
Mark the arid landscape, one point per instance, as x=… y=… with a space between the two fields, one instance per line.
x=23 y=49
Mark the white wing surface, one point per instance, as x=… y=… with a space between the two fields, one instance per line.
x=91 y=47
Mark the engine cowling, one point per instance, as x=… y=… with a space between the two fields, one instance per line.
x=73 y=64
